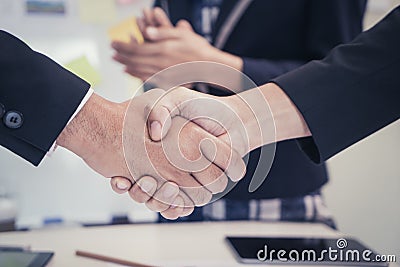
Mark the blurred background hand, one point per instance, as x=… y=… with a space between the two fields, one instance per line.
x=167 y=45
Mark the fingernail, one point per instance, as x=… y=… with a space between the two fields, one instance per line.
x=152 y=31
x=146 y=186
x=122 y=185
x=170 y=191
x=155 y=128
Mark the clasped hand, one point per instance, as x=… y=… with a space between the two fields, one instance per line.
x=185 y=167
x=174 y=164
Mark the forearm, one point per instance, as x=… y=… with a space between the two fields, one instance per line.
x=268 y=115
x=289 y=122
x=81 y=136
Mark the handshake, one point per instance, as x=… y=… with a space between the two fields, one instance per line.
x=172 y=150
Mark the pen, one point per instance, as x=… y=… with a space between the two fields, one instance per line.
x=110 y=259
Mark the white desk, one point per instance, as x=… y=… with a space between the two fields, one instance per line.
x=194 y=244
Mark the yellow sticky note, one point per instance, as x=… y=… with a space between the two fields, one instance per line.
x=124 y=30
x=97 y=11
x=82 y=67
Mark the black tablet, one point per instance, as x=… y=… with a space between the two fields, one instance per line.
x=310 y=251
x=24 y=258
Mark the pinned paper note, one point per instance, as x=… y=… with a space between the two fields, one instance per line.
x=82 y=67
x=45 y=6
x=124 y=30
x=96 y=11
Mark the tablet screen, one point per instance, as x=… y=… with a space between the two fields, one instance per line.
x=24 y=258
x=313 y=251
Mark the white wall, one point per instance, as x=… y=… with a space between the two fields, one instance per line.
x=364 y=188
x=363 y=193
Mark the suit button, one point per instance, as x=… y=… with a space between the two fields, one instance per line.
x=13 y=119
x=2 y=110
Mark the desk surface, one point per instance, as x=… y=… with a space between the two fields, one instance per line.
x=181 y=244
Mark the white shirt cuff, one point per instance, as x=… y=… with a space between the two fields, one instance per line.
x=83 y=102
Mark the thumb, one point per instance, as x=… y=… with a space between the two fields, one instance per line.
x=162 y=33
x=172 y=103
x=184 y=24
x=160 y=114
x=120 y=184
x=158 y=121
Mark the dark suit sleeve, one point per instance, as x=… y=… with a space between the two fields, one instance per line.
x=44 y=93
x=352 y=93
x=329 y=23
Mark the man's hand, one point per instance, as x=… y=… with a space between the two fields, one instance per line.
x=95 y=135
x=184 y=157
x=98 y=135
x=167 y=46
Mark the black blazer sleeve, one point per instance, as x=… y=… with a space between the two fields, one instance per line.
x=350 y=94
x=42 y=91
